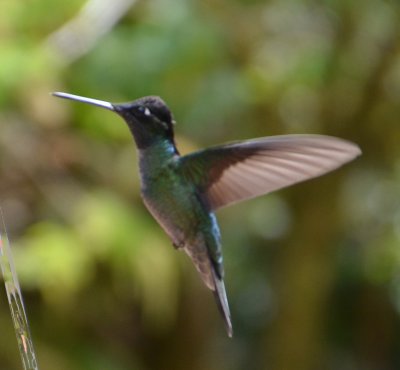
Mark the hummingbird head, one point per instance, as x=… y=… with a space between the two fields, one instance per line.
x=148 y=118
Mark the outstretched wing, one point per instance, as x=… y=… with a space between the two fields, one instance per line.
x=242 y=170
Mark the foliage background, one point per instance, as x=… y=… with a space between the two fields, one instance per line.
x=312 y=272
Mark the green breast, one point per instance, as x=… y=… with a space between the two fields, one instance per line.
x=170 y=198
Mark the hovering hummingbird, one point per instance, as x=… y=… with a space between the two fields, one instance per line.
x=182 y=192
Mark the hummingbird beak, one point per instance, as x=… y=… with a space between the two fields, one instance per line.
x=82 y=99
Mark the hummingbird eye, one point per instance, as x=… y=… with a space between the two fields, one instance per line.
x=146 y=111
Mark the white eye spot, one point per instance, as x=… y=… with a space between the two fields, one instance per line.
x=147 y=112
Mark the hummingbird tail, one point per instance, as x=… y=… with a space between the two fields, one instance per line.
x=222 y=302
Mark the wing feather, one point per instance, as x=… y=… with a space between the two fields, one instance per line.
x=234 y=172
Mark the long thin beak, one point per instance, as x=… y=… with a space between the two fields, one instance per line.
x=99 y=103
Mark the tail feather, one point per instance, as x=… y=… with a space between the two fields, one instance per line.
x=222 y=302
x=208 y=272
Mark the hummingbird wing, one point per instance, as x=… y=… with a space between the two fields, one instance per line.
x=242 y=170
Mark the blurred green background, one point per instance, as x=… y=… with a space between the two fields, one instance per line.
x=312 y=272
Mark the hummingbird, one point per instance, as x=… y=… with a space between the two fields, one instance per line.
x=183 y=192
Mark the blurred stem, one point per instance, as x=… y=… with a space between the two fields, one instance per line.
x=78 y=36
x=15 y=301
x=305 y=281
x=373 y=87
